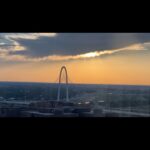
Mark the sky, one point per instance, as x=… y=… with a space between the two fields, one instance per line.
x=91 y=58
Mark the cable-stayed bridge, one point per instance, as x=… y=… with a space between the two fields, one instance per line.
x=85 y=107
x=56 y=107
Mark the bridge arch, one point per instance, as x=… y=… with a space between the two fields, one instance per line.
x=59 y=86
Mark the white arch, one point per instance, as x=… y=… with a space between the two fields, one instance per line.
x=59 y=87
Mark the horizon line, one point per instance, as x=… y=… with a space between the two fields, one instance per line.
x=77 y=83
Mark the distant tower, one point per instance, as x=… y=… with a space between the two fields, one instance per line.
x=59 y=86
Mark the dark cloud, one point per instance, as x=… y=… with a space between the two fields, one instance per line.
x=78 y=43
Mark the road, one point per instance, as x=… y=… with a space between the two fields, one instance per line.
x=126 y=113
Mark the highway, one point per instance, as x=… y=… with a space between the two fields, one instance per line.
x=126 y=113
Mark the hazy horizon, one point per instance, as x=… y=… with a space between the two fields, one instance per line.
x=73 y=83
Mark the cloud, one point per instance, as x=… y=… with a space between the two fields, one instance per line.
x=92 y=54
x=8 y=41
x=30 y=36
x=40 y=47
x=79 y=43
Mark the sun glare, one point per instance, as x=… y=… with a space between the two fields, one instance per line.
x=91 y=54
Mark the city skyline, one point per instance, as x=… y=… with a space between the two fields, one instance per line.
x=92 y=58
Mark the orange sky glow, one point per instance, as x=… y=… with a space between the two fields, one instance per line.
x=117 y=69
